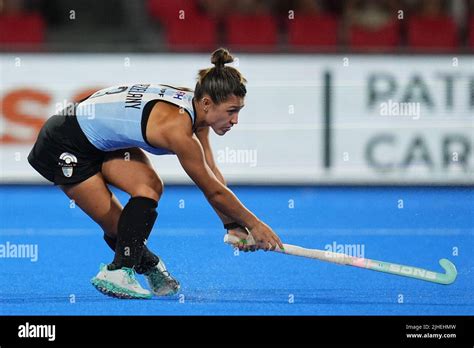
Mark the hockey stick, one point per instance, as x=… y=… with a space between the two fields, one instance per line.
x=381 y=266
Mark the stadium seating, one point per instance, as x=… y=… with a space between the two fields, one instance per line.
x=194 y=25
x=196 y=33
x=471 y=33
x=312 y=32
x=427 y=34
x=31 y=34
x=252 y=33
x=385 y=38
x=163 y=11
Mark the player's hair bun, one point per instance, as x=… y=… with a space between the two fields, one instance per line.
x=220 y=57
x=220 y=81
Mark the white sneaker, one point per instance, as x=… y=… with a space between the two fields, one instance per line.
x=120 y=283
x=160 y=281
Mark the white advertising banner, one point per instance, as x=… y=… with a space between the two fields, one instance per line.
x=308 y=119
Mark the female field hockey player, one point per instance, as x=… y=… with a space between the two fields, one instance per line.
x=84 y=152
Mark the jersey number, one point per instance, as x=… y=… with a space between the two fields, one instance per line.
x=112 y=91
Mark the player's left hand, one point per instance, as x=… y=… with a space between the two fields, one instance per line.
x=242 y=233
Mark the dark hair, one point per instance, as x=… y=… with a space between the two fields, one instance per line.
x=220 y=82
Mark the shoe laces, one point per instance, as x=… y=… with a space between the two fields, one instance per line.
x=130 y=275
x=163 y=277
x=166 y=274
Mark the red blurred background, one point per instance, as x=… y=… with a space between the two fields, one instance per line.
x=433 y=26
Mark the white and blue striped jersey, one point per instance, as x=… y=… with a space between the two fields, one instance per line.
x=116 y=117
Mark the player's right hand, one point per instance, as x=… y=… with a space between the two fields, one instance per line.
x=265 y=238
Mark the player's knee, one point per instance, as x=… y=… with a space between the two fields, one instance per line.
x=159 y=186
x=153 y=189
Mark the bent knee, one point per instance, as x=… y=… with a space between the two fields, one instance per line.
x=151 y=189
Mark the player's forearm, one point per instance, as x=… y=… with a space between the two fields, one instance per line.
x=224 y=218
x=227 y=203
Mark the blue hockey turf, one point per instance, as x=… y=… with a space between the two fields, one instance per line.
x=416 y=226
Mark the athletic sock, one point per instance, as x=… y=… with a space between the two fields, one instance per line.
x=134 y=227
x=148 y=261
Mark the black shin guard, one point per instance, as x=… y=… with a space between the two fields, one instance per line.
x=134 y=227
x=149 y=259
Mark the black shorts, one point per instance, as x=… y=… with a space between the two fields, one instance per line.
x=63 y=154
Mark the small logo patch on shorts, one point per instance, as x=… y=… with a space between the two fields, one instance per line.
x=67 y=161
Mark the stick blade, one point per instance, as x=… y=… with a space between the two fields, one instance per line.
x=451 y=272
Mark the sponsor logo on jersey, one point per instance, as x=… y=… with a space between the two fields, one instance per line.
x=179 y=95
